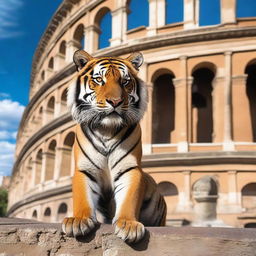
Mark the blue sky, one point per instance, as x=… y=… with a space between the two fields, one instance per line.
x=22 y=23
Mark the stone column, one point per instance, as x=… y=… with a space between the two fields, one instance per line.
x=44 y=167
x=58 y=159
x=152 y=17
x=233 y=196
x=218 y=100
x=181 y=107
x=119 y=25
x=72 y=46
x=92 y=37
x=190 y=14
x=228 y=11
x=59 y=61
x=185 y=204
x=33 y=179
x=161 y=13
x=228 y=144
x=57 y=107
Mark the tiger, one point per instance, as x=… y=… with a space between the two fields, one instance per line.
x=107 y=101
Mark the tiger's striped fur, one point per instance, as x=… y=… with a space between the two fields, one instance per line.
x=108 y=101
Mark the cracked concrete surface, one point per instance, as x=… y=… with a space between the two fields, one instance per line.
x=27 y=237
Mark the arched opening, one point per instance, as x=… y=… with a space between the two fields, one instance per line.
x=245 y=8
x=170 y=193
x=250 y=225
x=174 y=11
x=51 y=63
x=251 y=95
x=50 y=108
x=137 y=17
x=167 y=189
x=79 y=36
x=202 y=110
x=39 y=158
x=39 y=122
x=42 y=75
x=64 y=101
x=34 y=215
x=62 y=211
x=163 y=109
x=207 y=7
x=249 y=197
x=104 y=21
x=50 y=160
x=66 y=155
x=62 y=49
x=47 y=214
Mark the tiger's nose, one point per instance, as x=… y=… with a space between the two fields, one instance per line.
x=115 y=102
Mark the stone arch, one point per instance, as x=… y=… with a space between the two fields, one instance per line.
x=39 y=159
x=167 y=188
x=174 y=11
x=63 y=100
x=66 y=154
x=135 y=19
x=103 y=21
x=202 y=102
x=34 y=215
x=78 y=36
x=206 y=7
x=43 y=75
x=63 y=48
x=50 y=108
x=51 y=63
x=250 y=225
x=47 y=214
x=251 y=96
x=170 y=193
x=62 y=211
x=163 y=102
x=249 y=197
x=50 y=160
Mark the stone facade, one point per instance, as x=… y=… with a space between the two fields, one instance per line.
x=200 y=119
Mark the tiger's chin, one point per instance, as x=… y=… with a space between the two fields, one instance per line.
x=113 y=120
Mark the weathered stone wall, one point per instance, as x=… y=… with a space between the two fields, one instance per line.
x=26 y=237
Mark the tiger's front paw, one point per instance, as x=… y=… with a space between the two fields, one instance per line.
x=78 y=226
x=129 y=230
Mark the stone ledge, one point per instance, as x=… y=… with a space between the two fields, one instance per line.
x=31 y=238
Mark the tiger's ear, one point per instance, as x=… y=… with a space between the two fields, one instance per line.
x=136 y=59
x=81 y=58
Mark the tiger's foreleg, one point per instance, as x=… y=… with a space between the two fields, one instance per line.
x=84 y=219
x=129 y=192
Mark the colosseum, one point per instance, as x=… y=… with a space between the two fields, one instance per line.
x=199 y=131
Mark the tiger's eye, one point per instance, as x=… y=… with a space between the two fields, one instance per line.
x=99 y=79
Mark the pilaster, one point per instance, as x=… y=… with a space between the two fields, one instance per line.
x=72 y=46
x=91 y=40
x=190 y=14
x=228 y=11
x=228 y=144
x=119 y=25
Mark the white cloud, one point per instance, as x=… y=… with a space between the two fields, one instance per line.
x=6 y=157
x=10 y=114
x=8 y=18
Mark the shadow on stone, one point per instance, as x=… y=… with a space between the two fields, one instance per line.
x=142 y=245
x=89 y=237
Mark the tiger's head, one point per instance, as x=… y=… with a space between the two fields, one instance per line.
x=107 y=91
